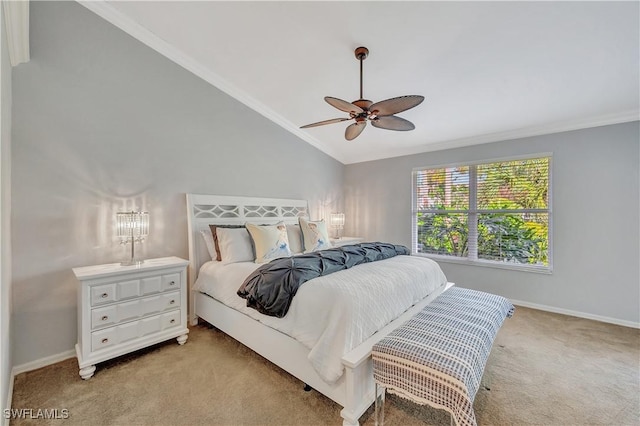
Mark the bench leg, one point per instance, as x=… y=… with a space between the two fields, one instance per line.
x=379 y=405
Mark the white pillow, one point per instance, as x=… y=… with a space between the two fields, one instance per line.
x=207 y=236
x=315 y=235
x=295 y=239
x=270 y=241
x=235 y=245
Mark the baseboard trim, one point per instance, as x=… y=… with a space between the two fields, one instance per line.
x=578 y=314
x=5 y=421
x=43 y=362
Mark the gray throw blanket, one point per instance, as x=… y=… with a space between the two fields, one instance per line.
x=271 y=288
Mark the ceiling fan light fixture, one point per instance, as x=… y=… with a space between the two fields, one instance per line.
x=381 y=114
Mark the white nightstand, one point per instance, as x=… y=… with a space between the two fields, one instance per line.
x=125 y=308
x=343 y=241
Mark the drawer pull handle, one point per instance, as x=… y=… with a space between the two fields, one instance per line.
x=172 y=302
x=104 y=318
x=104 y=295
x=105 y=340
x=172 y=321
x=172 y=283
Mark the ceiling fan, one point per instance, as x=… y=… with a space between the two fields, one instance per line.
x=380 y=114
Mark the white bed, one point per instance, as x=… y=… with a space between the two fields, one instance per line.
x=315 y=358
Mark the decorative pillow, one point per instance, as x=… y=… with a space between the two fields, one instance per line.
x=234 y=245
x=214 y=234
x=295 y=239
x=270 y=241
x=315 y=235
x=207 y=236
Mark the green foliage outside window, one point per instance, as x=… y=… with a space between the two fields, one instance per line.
x=520 y=234
x=443 y=234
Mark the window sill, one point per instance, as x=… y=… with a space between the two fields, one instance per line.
x=546 y=270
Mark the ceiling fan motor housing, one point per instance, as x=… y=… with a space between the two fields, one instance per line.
x=361 y=53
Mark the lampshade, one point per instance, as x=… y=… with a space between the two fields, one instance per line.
x=132 y=224
x=132 y=227
x=337 y=220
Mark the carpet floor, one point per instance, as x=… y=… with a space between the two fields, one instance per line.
x=544 y=369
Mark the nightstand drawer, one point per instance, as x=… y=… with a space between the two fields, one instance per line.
x=134 y=309
x=103 y=317
x=170 y=282
x=123 y=290
x=104 y=339
x=123 y=333
x=171 y=300
x=102 y=294
x=171 y=319
x=106 y=293
x=151 y=285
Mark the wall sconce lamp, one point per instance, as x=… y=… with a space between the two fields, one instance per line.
x=132 y=227
x=337 y=221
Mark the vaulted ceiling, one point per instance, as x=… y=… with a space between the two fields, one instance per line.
x=488 y=70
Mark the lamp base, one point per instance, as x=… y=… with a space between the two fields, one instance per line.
x=132 y=262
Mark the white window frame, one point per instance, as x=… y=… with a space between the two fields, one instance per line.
x=472 y=256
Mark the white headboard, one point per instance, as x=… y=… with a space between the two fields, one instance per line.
x=203 y=210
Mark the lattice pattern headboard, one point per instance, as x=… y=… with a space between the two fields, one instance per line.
x=203 y=210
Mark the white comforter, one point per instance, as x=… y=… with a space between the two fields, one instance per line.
x=333 y=314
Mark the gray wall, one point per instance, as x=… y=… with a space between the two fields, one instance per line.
x=102 y=123
x=5 y=215
x=595 y=218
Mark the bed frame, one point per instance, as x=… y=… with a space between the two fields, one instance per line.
x=355 y=390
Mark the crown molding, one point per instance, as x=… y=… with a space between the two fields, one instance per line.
x=16 y=19
x=525 y=132
x=142 y=34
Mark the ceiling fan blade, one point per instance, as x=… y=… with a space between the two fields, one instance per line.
x=354 y=130
x=395 y=105
x=343 y=105
x=392 y=122
x=322 y=123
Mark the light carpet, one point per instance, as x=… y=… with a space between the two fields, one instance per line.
x=544 y=369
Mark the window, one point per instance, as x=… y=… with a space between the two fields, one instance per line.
x=495 y=214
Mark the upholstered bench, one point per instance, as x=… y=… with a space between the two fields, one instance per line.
x=438 y=356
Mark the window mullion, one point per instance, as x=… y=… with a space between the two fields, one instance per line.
x=472 y=220
x=414 y=214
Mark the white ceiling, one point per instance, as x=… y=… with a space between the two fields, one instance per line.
x=489 y=70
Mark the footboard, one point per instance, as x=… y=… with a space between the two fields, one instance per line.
x=358 y=376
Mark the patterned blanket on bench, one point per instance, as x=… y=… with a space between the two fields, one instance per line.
x=438 y=356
